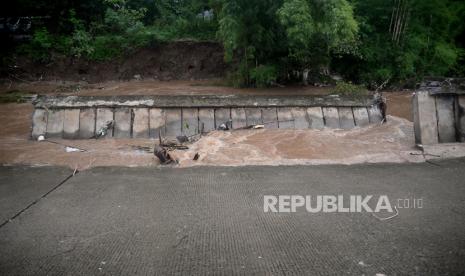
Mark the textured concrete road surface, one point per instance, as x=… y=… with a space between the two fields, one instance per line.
x=210 y=220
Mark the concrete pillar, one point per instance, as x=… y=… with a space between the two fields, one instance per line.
x=140 y=124
x=346 y=118
x=71 y=123
x=39 y=123
x=104 y=115
x=285 y=118
x=425 y=120
x=173 y=121
x=55 y=123
x=123 y=118
x=156 y=123
x=361 y=116
x=190 y=121
x=331 y=117
x=270 y=117
x=300 y=117
x=238 y=117
x=206 y=119
x=253 y=116
x=446 y=118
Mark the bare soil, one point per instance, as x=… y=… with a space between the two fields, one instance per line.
x=168 y=61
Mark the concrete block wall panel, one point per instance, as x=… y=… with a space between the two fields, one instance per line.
x=253 y=116
x=55 y=123
x=270 y=117
x=374 y=114
x=285 y=118
x=331 y=117
x=315 y=117
x=361 y=116
x=156 y=122
x=71 y=123
x=140 y=123
x=104 y=115
x=39 y=123
x=147 y=117
x=446 y=118
x=300 y=117
x=206 y=119
x=123 y=123
x=346 y=118
x=222 y=116
x=173 y=122
x=461 y=117
x=190 y=121
x=87 y=123
x=238 y=117
x=425 y=119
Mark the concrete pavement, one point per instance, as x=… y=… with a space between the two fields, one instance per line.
x=210 y=220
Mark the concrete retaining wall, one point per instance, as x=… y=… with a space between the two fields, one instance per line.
x=147 y=117
x=439 y=111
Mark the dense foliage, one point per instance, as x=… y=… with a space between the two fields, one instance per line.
x=370 y=42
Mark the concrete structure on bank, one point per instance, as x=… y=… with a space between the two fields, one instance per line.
x=75 y=117
x=439 y=111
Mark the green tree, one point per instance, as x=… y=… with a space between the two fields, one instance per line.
x=315 y=29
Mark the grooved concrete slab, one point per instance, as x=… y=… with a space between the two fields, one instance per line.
x=39 y=123
x=446 y=120
x=206 y=119
x=71 y=124
x=55 y=123
x=222 y=116
x=374 y=114
x=104 y=115
x=190 y=121
x=253 y=116
x=140 y=127
x=238 y=117
x=461 y=116
x=300 y=117
x=122 y=127
x=211 y=221
x=157 y=122
x=425 y=119
x=361 y=116
x=173 y=121
x=270 y=117
x=315 y=118
x=285 y=118
x=331 y=116
x=21 y=186
x=346 y=118
x=87 y=123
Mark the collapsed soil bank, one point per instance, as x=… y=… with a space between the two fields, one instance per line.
x=181 y=60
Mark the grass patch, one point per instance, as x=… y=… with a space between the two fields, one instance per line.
x=14 y=96
x=349 y=89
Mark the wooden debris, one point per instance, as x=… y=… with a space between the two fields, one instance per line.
x=163 y=155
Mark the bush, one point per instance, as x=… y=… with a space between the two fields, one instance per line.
x=349 y=89
x=39 y=47
x=264 y=75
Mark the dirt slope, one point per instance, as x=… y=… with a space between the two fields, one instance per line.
x=175 y=60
